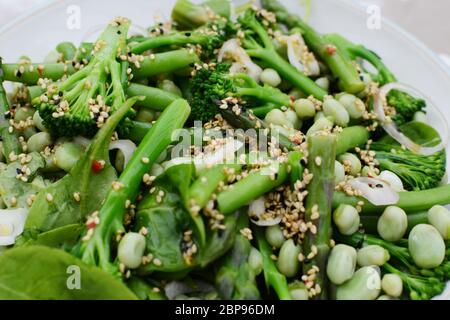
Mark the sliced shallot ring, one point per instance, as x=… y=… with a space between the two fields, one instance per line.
x=127 y=147
x=255 y=211
x=232 y=49
x=376 y=191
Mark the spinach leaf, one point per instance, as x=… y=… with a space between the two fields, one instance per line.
x=13 y=190
x=166 y=221
x=90 y=185
x=56 y=238
x=42 y=273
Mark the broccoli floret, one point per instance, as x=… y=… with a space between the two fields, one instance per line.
x=405 y=106
x=80 y=104
x=189 y=15
x=210 y=86
x=417 y=172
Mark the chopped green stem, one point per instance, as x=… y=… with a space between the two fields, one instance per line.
x=359 y=51
x=413 y=201
x=351 y=138
x=251 y=187
x=96 y=251
x=166 y=62
x=178 y=39
x=341 y=67
x=203 y=188
x=137 y=131
x=52 y=71
x=190 y=15
x=67 y=50
x=295 y=167
x=272 y=276
x=154 y=98
x=321 y=162
x=10 y=141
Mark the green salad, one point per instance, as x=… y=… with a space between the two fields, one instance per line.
x=229 y=153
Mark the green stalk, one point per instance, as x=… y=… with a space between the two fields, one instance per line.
x=295 y=167
x=413 y=201
x=272 y=276
x=251 y=187
x=321 y=158
x=203 y=188
x=52 y=71
x=165 y=62
x=137 y=131
x=97 y=250
x=10 y=141
x=154 y=98
x=67 y=50
x=190 y=15
x=355 y=51
x=178 y=39
x=351 y=138
x=341 y=67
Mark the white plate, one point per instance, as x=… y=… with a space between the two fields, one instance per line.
x=37 y=32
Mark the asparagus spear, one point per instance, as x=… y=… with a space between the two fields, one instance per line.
x=316 y=246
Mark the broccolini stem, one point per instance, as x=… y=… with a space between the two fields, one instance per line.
x=272 y=276
x=251 y=187
x=296 y=168
x=203 y=188
x=351 y=138
x=10 y=141
x=165 y=62
x=67 y=50
x=33 y=72
x=190 y=15
x=96 y=251
x=154 y=98
x=321 y=162
x=413 y=201
x=177 y=39
x=137 y=131
x=341 y=67
x=359 y=51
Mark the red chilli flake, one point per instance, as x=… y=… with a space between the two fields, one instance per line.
x=91 y=225
x=97 y=166
x=331 y=50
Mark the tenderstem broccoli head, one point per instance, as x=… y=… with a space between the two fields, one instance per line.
x=416 y=171
x=405 y=106
x=211 y=86
x=190 y=15
x=80 y=104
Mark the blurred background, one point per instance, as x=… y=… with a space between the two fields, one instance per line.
x=426 y=19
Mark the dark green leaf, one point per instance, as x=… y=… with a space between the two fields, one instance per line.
x=43 y=273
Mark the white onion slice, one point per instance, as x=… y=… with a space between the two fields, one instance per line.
x=255 y=211
x=296 y=48
x=242 y=61
x=376 y=191
x=392 y=129
x=126 y=146
x=223 y=154
x=12 y=222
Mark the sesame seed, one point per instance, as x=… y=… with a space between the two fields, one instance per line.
x=145 y=160
x=49 y=197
